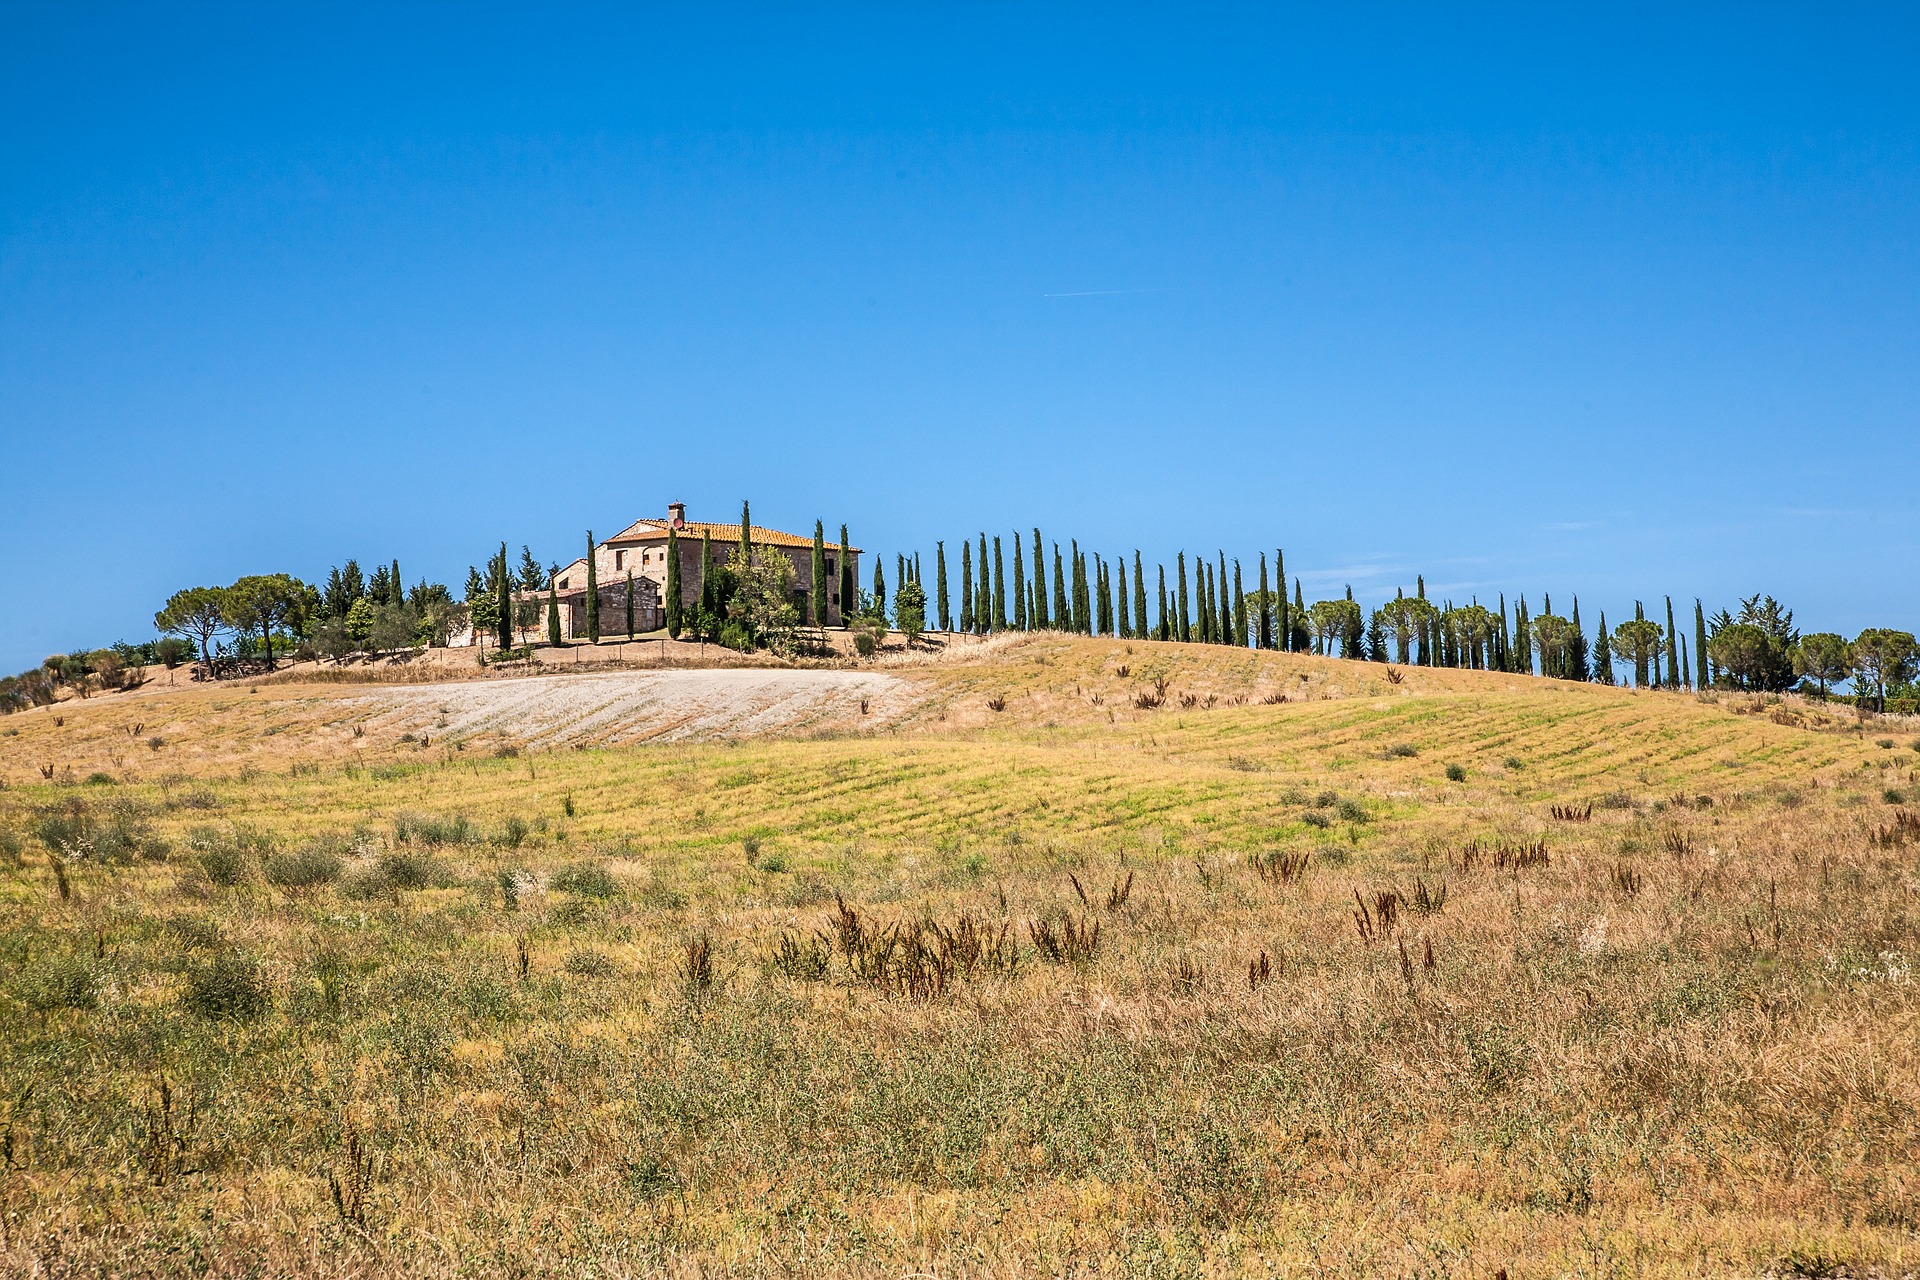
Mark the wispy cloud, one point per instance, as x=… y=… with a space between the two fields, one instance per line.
x=1099 y=293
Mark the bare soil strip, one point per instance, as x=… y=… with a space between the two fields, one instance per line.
x=649 y=706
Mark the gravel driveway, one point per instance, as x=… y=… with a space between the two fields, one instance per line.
x=647 y=706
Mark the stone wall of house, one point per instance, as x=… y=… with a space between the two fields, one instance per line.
x=648 y=558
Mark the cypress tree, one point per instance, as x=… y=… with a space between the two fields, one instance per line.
x=1264 y=640
x=675 y=620
x=1351 y=649
x=940 y=585
x=553 y=614
x=1602 y=653
x=1522 y=638
x=593 y=592
x=983 y=593
x=1703 y=672
x=1282 y=622
x=1503 y=648
x=1039 y=611
x=746 y=534
x=1124 y=629
x=1085 y=582
x=899 y=570
x=1223 y=601
x=1079 y=587
x=1062 y=613
x=1203 y=598
x=1165 y=629
x=1183 y=624
x=999 y=588
x=849 y=597
x=1300 y=637
x=1239 y=609
x=817 y=599
x=1686 y=667
x=503 y=604
x=916 y=570
x=1673 y=649
x=879 y=590
x=709 y=585
x=1640 y=657
x=1202 y=602
x=1019 y=586
x=629 y=604
x=1096 y=605
x=1108 y=624
x=1139 y=599
x=1086 y=594
x=1577 y=648
x=966 y=585
x=399 y=592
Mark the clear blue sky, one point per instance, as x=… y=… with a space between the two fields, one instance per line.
x=1612 y=301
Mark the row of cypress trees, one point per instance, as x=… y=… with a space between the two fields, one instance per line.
x=1209 y=603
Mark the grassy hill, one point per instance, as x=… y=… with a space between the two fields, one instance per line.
x=1028 y=977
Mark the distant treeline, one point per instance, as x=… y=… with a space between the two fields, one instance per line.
x=748 y=601
x=1755 y=647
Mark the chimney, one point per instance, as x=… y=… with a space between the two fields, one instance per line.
x=677 y=514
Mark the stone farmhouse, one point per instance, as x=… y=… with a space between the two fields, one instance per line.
x=641 y=549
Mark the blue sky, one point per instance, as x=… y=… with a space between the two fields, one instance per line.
x=1618 y=301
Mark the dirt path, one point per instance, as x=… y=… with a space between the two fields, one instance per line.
x=643 y=706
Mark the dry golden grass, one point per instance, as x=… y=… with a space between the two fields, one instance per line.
x=1338 y=1014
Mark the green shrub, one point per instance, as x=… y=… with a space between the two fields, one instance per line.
x=1456 y=773
x=1402 y=750
x=433 y=829
x=101 y=779
x=62 y=982
x=513 y=834
x=117 y=832
x=588 y=879
x=409 y=869
x=225 y=864
x=1353 y=811
x=305 y=868
x=231 y=986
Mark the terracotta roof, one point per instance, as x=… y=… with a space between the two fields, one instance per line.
x=641 y=530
